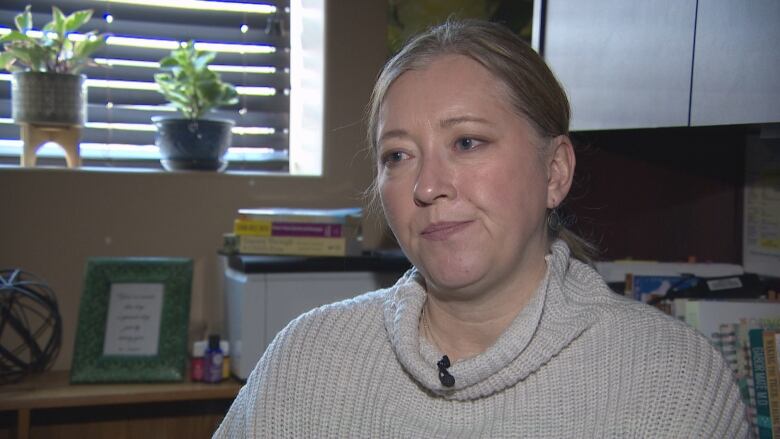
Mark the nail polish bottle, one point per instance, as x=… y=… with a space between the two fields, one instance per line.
x=198 y=361
x=213 y=360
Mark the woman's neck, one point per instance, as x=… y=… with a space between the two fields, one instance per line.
x=466 y=328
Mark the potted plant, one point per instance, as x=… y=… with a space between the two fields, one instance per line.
x=192 y=141
x=47 y=86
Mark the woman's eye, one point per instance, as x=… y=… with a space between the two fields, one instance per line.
x=466 y=143
x=393 y=157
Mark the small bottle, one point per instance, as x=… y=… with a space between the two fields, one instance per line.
x=213 y=357
x=197 y=363
x=225 y=346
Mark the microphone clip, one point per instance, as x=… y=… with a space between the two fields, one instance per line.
x=447 y=380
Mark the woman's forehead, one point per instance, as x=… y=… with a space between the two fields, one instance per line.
x=448 y=88
x=453 y=83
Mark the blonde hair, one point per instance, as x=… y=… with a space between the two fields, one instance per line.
x=531 y=88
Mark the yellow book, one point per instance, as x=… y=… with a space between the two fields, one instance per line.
x=250 y=227
x=292 y=246
x=266 y=227
x=315 y=223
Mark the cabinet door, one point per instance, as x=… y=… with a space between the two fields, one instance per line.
x=624 y=64
x=736 y=69
x=292 y=294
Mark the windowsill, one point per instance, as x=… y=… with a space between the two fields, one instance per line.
x=7 y=167
x=52 y=155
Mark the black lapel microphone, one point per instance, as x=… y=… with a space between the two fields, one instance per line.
x=447 y=380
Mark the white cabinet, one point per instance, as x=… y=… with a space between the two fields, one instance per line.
x=736 y=67
x=259 y=305
x=624 y=64
x=665 y=63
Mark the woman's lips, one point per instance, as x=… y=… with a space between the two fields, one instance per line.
x=443 y=230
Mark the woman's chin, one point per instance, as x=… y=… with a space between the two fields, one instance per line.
x=459 y=281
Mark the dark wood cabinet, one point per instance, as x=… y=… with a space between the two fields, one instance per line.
x=47 y=406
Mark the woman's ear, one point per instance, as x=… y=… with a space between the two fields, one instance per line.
x=560 y=170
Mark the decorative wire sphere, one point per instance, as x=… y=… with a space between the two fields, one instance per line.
x=30 y=325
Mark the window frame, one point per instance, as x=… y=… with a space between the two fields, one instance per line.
x=303 y=157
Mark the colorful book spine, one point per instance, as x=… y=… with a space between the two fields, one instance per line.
x=293 y=246
x=763 y=414
x=745 y=375
x=776 y=426
x=250 y=227
x=773 y=386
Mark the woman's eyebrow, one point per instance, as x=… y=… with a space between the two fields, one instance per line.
x=444 y=123
x=393 y=134
x=450 y=122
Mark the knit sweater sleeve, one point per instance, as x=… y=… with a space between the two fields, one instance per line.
x=272 y=393
x=727 y=416
x=724 y=414
x=245 y=417
x=715 y=408
x=696 y=394
x=285 y=391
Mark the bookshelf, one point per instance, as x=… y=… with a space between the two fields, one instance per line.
x=47 y=405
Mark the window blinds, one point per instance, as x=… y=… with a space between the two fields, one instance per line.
x=252 y=42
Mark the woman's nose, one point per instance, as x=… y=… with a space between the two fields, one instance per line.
x=434 y=183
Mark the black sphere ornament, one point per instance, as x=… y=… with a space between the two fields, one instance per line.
x=30 y=325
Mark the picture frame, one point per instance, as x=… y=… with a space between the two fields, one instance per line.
x=133 y=320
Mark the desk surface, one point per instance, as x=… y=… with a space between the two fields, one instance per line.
x=53 y=389
x=387 y=262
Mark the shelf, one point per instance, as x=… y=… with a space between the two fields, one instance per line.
x=53 y=389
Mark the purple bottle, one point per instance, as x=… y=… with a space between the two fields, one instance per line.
x=213 y=359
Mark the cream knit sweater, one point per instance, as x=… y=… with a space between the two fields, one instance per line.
x=578 y=361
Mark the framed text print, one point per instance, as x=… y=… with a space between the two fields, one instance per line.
x=133 y=320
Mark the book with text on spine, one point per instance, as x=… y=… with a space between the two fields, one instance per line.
x=706 y=316
x=291 y=246
x=763 y=416
x=253 y=227
x=772 y=384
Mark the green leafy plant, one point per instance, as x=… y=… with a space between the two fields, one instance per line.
x=54 y=50
x=190 y=85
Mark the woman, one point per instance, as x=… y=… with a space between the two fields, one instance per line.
x=499 y=330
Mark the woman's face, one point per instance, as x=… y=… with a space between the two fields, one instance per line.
x=462 y=179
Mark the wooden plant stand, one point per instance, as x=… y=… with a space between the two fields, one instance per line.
x=34 y=136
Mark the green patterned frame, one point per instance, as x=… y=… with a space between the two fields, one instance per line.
x=89 y=364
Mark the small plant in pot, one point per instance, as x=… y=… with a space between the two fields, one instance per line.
x=192 y=141
x=47 y=86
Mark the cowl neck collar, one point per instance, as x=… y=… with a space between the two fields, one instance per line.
x=546 y=325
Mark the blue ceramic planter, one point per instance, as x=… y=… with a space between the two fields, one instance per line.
x=187 y=144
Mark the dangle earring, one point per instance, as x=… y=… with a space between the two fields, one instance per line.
x=554 y=220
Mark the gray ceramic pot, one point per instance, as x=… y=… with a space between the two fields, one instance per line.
x=187 y=144
x=49 y=98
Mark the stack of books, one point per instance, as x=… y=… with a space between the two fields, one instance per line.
x=298 y=232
